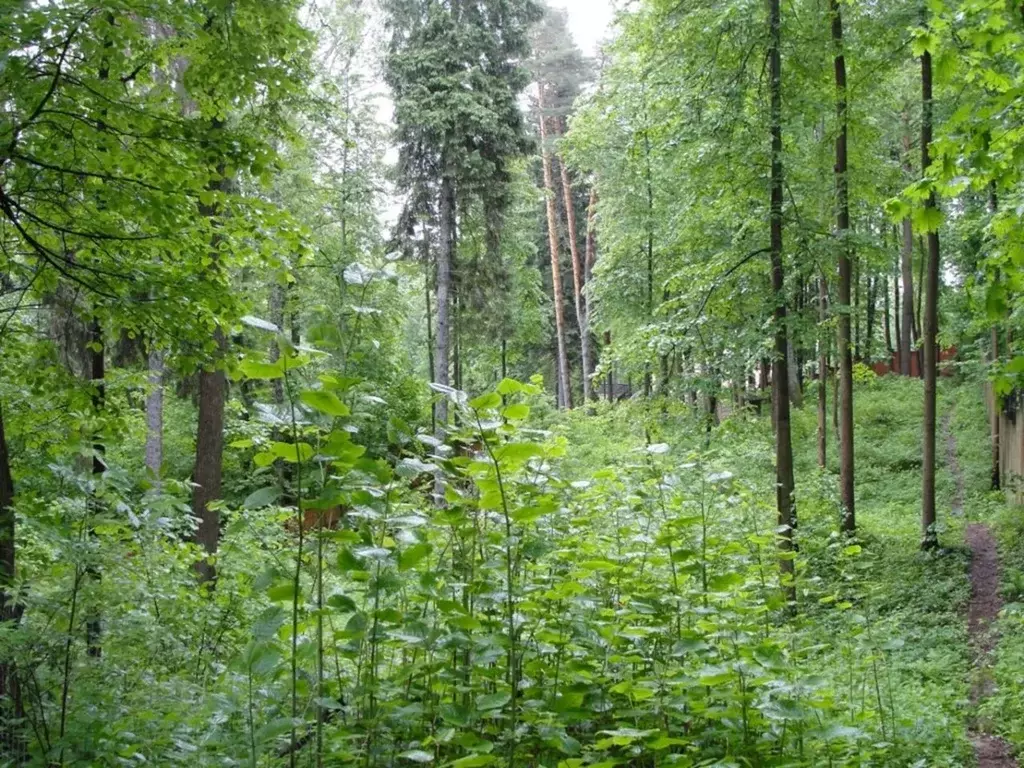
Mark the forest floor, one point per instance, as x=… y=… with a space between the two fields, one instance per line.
x=986 y=603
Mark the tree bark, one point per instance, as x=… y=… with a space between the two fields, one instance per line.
x=577 y=280
x=562 y=362
x=897 y=305
x=784 y=480
x=446 y=209
x=887 y=315
x=155 y=415
x=871 y=294
x=208 y=470
x=846 y=456
x=425 y=247
x=907 y=331
x=997 y=474
x=588 y=272
x=822 y=375
x=9 y=610
x=929 y=537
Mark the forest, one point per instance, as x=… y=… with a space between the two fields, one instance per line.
x=397 y=383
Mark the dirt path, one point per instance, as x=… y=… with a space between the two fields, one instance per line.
x=991 y=751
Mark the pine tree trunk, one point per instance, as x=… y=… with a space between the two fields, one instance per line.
x=588 y=272
x=785 y=484
x=446 y=209
x=929 y=537
x=577 y=280
x=822 y=375
x=562 y=362
x=845 y=405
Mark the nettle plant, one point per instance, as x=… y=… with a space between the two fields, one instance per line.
x=475 y=607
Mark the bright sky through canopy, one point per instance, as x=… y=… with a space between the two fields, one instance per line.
x=589 y=21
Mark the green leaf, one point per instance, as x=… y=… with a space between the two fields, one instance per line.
x=411 y=557
x=264 y=497
x=491 y=701
x=293 y=453
x=486 y=402
x=516 y=412
x=509 y=387
x=252 y=369
x=325 y=402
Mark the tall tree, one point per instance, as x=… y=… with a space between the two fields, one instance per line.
x=784 y=479
x=455 y=76
x=562 y=359
x=930 y=324
x=907 y=268
x=846 y=457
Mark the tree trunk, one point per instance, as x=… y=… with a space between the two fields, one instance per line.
x=446 y=209
x=588 y=272
x=822 y=375
x=857 y=273
x=929 y=538
x=208 y=470
x=610 y=378
x=869 y=330
x=276 y=311
x=562 y=363
x=155 y=416
x=577 y=280
x=425 y=246
x=93 y=627
x=785 y=499
x=907 y=331
x=887 y=315
x=796 y=393
x=9 y=609
x=997 y=475
x=846 y=457
x=897 y=305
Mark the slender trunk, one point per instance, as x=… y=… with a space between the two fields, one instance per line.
x=997 y=475
x=784 y=482
x=562 y=363
x=897 y=305
x=577 y=279
x=155 y=416
x=822 y=375
x=845 y=404
x=446 y=209
x=276 y=312
x=648 y=178
x=10 y=611
x=610 y=379
x=97 y=358
x=796 y=393
x=425 y=246
x=907 y=331
x=929 y=538
x=869 y=331
x=887 y=315
x=588 y=272
x=857 y=273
